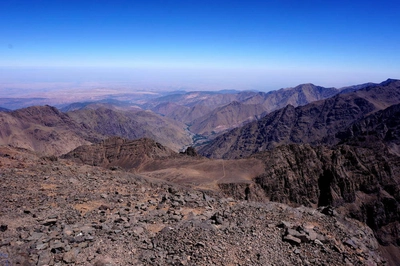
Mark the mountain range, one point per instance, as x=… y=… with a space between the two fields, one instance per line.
x=334 y=150
x=315 y=123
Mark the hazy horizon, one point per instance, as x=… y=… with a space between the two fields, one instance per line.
x=192 y=45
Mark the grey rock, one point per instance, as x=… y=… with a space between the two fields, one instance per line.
x=70 y=256
x=50 y=222
x=292 y=240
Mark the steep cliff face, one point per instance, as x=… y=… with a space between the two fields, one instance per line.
x=361 y=183
x=376 y=131
x=315 y=123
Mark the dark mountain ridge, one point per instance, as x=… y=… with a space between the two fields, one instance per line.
x=314 y=123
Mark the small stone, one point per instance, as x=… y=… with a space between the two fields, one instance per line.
x=89 y=238
x=350 y=243
x=45 y=258
x=70 y=256
x=291 y=239
x=41 y=246
x=284 y=224
x=200 y=244
x=104 y=262
x=50 y=222
x=316 y=241
x=137 y=230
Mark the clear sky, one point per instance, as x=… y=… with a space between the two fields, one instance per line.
x=198 y=44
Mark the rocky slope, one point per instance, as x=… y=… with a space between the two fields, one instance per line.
x=227 y=117
x=46 y=130
x=54 y=212
x=43 y=129
x=133 y=125
x=379 y=130
x=119 y=152
x=314 y=123
x=180 y=112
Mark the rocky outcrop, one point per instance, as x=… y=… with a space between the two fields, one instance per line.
x=359 y=182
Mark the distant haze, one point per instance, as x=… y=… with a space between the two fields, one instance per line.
x=195 y=45
x=36 y=82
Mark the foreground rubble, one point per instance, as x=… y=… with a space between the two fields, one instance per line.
x=55 y=212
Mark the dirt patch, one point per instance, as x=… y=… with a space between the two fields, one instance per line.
x=205 y=174
x=83 y=208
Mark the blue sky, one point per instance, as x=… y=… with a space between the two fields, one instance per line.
x=199 y=44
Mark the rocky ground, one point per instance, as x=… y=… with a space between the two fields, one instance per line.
x=56 y=212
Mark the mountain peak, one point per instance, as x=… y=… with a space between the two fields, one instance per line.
x=389 y=81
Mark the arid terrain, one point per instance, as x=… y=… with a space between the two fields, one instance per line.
x=299 y=176
x=56 y=212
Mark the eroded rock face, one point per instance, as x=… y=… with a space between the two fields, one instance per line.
x=361 y=183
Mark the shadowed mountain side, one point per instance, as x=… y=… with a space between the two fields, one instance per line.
x=314 y=123
x=381 y=129
x=133 y=125
x=361 y=183
x=43 y=129
x=356 y=87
